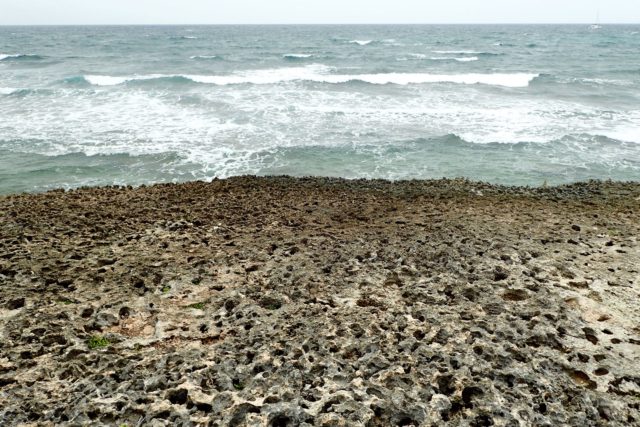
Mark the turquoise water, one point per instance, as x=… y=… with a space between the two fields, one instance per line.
x=131 y=105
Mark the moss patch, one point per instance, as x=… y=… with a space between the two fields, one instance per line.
x=97 y=341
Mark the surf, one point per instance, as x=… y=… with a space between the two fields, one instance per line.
x=20 y=57
x=322 y=74
x=451 y=58
x=297 y=56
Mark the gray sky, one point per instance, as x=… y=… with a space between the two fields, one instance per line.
x=18 y=12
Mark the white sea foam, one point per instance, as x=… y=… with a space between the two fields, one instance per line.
x=230 y=134
x=361 y=42
x=392 y=42
x=203 y=57
x=321 y=74
x=507 y=80
x=312 y=72
x=451 y=58
x=175 y=37
x=7 y=90
x=4 y=56
x=297 y=55
x=604 y=81
x=460 y=52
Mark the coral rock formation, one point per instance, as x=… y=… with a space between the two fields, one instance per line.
x=321 y=302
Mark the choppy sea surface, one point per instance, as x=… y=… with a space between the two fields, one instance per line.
x=131 y=105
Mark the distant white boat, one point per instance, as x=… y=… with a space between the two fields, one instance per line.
x=597 y=25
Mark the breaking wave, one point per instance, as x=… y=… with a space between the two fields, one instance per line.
x=361 y=42
x=20 y=57
x=297 y=56
x=321 y=74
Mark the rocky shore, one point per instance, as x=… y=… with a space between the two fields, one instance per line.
x=321 y=302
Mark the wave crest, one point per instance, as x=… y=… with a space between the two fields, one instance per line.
x=98 y=80
x=361 y=42
x=20 y=57
x=322 y=74
x=457 y=52
x=297 y=56
x=452 y=58
x=466 y=52
x=204 y=57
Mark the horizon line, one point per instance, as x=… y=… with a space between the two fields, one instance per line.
x=317 y=24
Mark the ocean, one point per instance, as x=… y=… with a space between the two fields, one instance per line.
x=508 y=104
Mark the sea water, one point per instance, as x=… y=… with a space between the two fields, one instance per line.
x=517 y=105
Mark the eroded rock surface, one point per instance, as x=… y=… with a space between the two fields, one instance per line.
x=320 y=302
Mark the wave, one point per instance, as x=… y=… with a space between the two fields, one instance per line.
x=599 y=81
x=570 y=158
x=506 y=80
x=412 y=56
x=392 y=42
x=466 y=52
x=450 y=58
x=457 y=52
x=10 y=91
x=45 y=171
x=20 y=57
x=204 y=57
x=297 y=56
x=552 y=79
x=361 y=42
x=98 y=80
x=320 y=74
x=626 y=71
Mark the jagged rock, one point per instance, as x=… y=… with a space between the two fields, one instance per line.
x=321 y=302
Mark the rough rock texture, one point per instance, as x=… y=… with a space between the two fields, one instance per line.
x=321 y=302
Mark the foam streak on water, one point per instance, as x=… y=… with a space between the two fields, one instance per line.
x=132 y=105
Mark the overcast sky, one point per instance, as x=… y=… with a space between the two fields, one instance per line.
x=20 y=12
